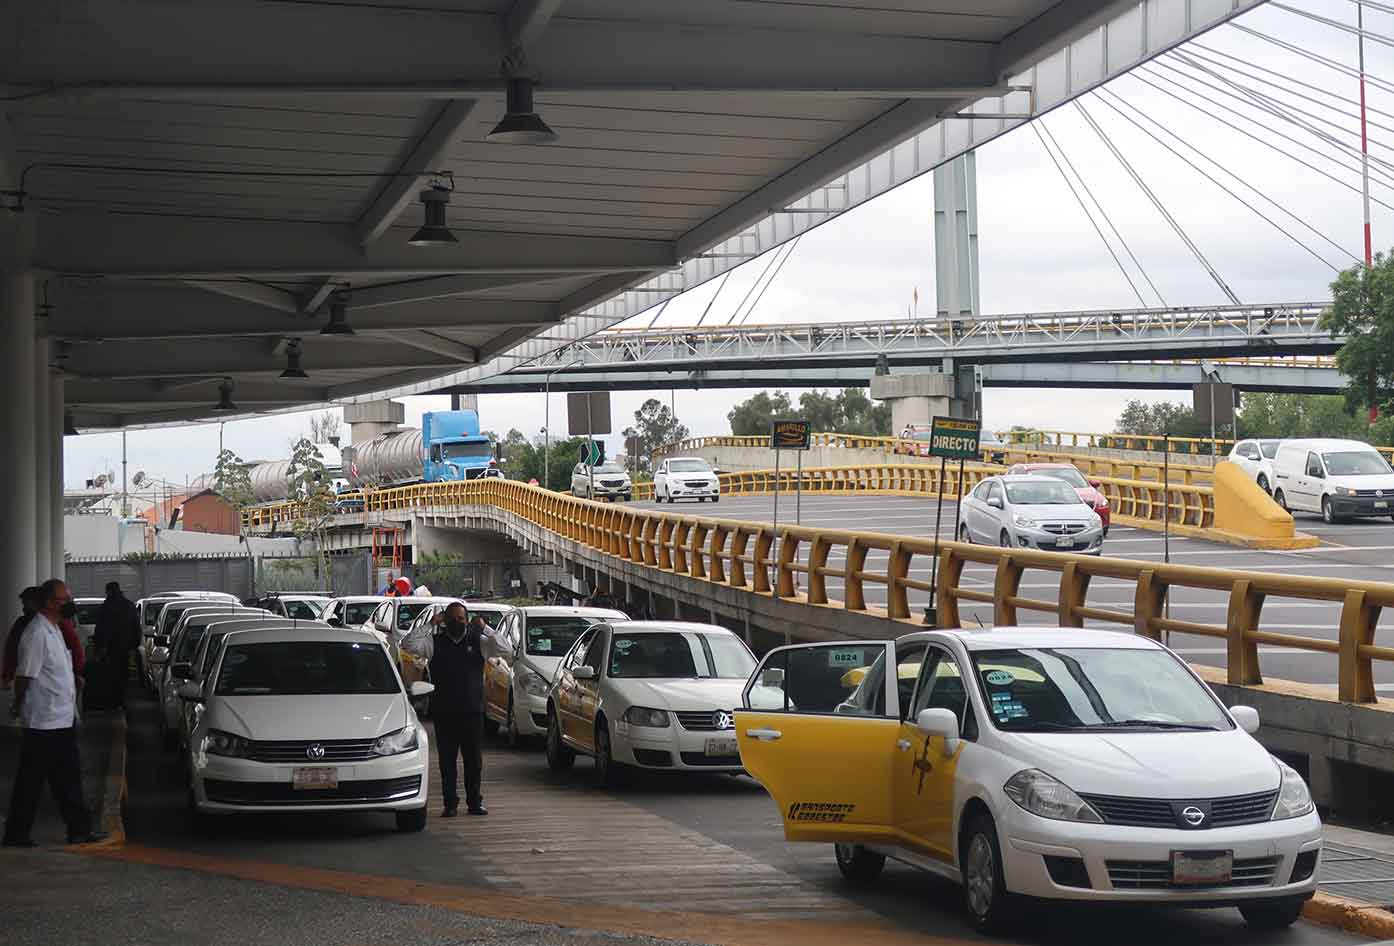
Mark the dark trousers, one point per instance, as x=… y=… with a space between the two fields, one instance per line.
x=460 y=734
x=118 y=673
x=47 y=755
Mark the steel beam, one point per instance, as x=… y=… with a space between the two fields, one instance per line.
x=235 y=356
x=526 y=21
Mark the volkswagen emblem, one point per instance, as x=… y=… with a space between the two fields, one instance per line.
x=1379 y=492
x=314 y=751
x=723 y=720
x=1193 y=815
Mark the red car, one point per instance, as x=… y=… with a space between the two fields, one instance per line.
x=1088 y=490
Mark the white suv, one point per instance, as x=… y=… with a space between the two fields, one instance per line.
x=685 y=478
x=606 y=481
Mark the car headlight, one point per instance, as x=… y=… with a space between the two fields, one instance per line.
x=222 y=743
x=395 y=743
x=533 y=685
x=1047 y=797
x=1343 y=491
x=643 y=716
x=1024 y=521
x=1294 y=800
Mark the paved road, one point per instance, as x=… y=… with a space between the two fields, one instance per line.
x=1362 y=549
x=699 y=860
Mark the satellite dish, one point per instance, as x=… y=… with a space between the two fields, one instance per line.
x=100 y=481
x=138 y=478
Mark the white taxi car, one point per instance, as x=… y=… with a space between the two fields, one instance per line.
x=306 y=719
x=686 y=478
x=648 y=694
x=1051 y=764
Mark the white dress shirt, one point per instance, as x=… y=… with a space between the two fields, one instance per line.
x=51 y=700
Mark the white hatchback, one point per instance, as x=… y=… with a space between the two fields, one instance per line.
x=306 y=719
x=1053 y=764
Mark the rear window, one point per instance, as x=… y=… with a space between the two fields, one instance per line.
x=407 y=612
x=301 y=610
x=359 y=612
x=492 y=619
x=87 y=613
x=553 y=635
x=305 y=668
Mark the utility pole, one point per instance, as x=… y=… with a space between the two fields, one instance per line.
x=1365 y=177
x=125 y=496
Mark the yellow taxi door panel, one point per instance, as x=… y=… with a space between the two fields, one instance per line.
x=924 y=792
x=829 y=774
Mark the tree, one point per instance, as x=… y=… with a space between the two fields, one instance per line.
x=232 y=481
x=1154 y=420
x=326 y=427
x=310 y=486
x=1308 y=415
x=751 y=417
x=655 y=426
x=1362 y=310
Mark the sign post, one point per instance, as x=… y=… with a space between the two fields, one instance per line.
x=950 y=438
x=788 y=435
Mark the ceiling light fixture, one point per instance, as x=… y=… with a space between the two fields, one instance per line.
x=338 y=316
x=293 y=370
x=225 y=405
x=521 y=125
x=433 y=230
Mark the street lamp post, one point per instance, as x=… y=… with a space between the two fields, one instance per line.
x=547 y=423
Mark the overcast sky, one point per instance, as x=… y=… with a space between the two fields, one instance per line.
x=1038 y=250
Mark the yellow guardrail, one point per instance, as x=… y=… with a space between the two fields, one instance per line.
x=752 y=557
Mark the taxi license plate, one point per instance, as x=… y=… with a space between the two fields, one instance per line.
x=1065 y=542
x=314 y=779
x=1201 y=868
x=1383 y=505
x=720 y=747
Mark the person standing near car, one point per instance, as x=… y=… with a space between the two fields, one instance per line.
x=455 y=656
x=117 y=633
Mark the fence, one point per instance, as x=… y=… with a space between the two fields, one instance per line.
x=742 y=555
x=138 y=578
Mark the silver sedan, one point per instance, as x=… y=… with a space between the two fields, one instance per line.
x=1029 y=512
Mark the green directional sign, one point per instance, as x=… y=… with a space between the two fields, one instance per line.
x=954 y=438
x=593 y=453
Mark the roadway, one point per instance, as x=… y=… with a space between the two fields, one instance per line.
x=558 y=860
x=1356 y=550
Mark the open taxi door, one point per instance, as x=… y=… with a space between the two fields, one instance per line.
x=814 y=730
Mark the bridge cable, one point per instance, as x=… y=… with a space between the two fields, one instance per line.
x=1156 y=202
x=769 y=282
x=657 y=315
x=1105 y=98
x=1334 y=24
x=1150 y=79
x=1036 y=127
x=1314 y=57
x=768 y=263
x=712 y=301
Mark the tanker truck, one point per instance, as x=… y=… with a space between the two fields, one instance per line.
x=448 y=447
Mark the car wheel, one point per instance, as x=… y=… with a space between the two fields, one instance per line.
x=1272 y=914
x=608 y=772
x=629 y=497
x=963 y=535
x=1281 y=500
x=1327 y=513
x=1263 y=484
x=984 y=891
x=413 y=820
x=858 y=865
x=511 y=736
x=1004 y=540
x=1105 y=532
x=559 y=757
x=716 y=499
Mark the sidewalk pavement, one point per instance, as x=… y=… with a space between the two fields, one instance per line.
x=102 y=743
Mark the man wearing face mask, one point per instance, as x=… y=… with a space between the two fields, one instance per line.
x=456 y=662
x=46 y=704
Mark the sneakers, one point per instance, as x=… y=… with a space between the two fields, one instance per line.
x=450 y=811
x=478 y=810
x=91 y=837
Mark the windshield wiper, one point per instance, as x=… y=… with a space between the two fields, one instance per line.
x=1153 y=723
x=1041 y=726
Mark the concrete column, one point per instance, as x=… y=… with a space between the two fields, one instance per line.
x=43 y=462
x=56 y=407
x=956 y=236
x=17 y=488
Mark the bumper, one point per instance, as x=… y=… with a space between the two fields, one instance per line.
x=1088 y=542
x=1132 y=865
x=531 y=714
x=1361 y=506
x=693 y=492
x=673 y=748
x=232 y=786
x=622 y=490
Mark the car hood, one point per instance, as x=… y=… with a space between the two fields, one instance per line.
x=1152 y=764
x=546 y=666
x=681 y=695
x=1384 y=481
x=1056 y=512
x=309 y=717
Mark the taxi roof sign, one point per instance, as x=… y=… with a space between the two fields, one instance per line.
x=955 y=438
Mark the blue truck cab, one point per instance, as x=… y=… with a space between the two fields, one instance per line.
x=453 y=446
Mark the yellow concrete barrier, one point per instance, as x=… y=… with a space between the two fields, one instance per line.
x=1245 y=511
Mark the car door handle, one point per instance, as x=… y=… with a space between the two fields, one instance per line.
x=902 y=744
x=764 y=735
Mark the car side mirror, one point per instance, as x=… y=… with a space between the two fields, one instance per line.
x=1246 y=717
x=1096 y=483
x=190 y=692
x=159 y=656
x=939 y=722
x=335 y=622
x=995 y=503
x=421 y=688
x=584 y=672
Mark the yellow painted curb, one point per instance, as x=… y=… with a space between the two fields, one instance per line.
x=1349 y=915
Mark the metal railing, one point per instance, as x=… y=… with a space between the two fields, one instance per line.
x=752 y=557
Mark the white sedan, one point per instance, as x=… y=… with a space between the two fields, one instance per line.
x=686 y=478
x=1255 y=457
x=1040 y=763
x=650 y=695
x=306 y=719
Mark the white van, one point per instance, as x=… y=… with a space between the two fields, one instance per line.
x=1337 y=478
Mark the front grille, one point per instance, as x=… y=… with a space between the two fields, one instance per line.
x=297 y=751
x=1164 y=813
x=704 y=720
x=1156 y=875
x=655 y=757
x=1376 y=493
x=696 y=484
x=1063 y=528
x=699 y=758
x=612 y=482
x=363 y=792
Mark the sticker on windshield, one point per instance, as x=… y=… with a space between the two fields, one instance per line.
x=999 y=678
x=844 y=658
x=542 y=644
x=623 y=646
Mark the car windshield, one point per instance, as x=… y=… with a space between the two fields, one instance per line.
x=1269 y=447
x=1065 y=474
x=359 y=612
x=1355 y=463
x=689 y=466
x=407 y=612
x=467 y=451
x=491 y=619
x=609 y=468
x=171 y=617
x=188 y=643
x=303 y=609
x=210 y=653
x=677 y=655
x=87 y=613
x=295 y=668
x=1093 y=689
x=553 y=635
x=922 y=434
x=1042 y=494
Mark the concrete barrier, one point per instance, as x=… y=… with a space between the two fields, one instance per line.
x=1244 y=510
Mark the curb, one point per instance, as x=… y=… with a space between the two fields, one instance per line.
x=1353 y=916
x=114 y=796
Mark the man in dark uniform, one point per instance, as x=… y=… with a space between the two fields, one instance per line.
x=116 y=635
x=457 y=706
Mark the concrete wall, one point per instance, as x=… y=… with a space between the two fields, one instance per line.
x=102 y=537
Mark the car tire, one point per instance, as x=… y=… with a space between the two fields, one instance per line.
x=412 y=821
x=629 y=497
x=1264 y=485
x=990 y=907
x=511 y=737
x=1281 y=500
x=1272 y=914
x=1328 y=514
x=559 y=757
x=608 y=772
x=1004 y=540
x=716 y=499
x=1105 y=532
x=858 y=865
x=964 y=535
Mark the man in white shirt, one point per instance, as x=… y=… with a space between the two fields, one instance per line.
x=46 y=704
